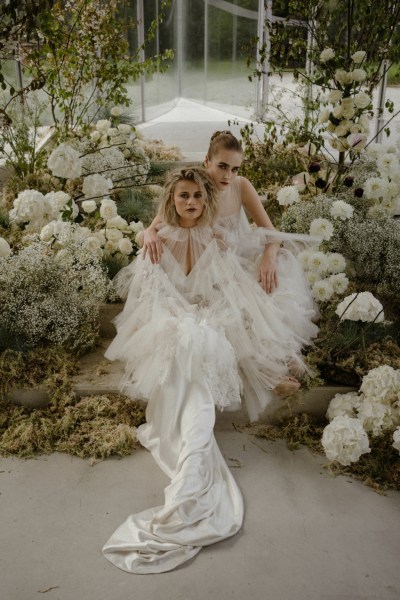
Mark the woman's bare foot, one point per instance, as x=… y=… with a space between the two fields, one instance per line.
x=287 y=387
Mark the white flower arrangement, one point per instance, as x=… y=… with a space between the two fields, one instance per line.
x=358 y=57
x=382 y=383
x=327 y=55
x=89 y=206
x=287 y=195
x=361 y=306
x=339 y=282
x=322 y=228
x=336 y=262
x=341 y=210
x=343 y=405
x=322 y=290
x=65 y=162
x=96 y=186
x=108 y=209
x=344 y=440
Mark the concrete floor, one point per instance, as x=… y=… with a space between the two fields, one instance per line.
x=306 y=535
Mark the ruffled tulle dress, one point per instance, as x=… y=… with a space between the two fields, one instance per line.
x=191 y=342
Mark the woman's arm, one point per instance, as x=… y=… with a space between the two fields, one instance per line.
x=152 y=243
x=268 y=274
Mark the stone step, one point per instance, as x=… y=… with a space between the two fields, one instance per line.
x=100 y=376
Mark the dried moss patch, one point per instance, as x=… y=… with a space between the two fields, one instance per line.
x=90 y=427
x=380 y=469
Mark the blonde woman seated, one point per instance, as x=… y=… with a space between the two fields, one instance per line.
x=197 y=332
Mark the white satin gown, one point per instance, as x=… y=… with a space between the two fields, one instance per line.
x=191 y=343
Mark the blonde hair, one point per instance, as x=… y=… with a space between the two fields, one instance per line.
x=167 y=211
x=223 y=140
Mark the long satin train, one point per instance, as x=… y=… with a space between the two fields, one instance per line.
x=203 y=504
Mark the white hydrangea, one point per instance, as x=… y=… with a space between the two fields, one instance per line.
x=343 y=405
x=375 y=188
x=125 y=246
x=321 y=228
x=382 y=383
x=336 y=262
x=344 y=440
x=322 y=290
x=377 y=417
x=396 y=439
x=5 y=249
x=29 y=205
x=89 y=206
x=360 y=307
x=65 y=162
x=95 y=186
x=341 y=210
x=339 y=282
x=108 y=209
x=289 y=194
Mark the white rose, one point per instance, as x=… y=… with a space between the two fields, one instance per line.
x=364 y=120
x=125 y=246
x=113 y=131
x=117 y=222
x=356 y=129
x=357 y=141
x=322 y=228
x=336 y=262
x=95 y=136
x=339 y=282
x=92 y=244
x=331 y=127
x=362 y=100
x=358 y=57
x=341 y=210
x=335 y=96
x=348 y=112
x=359 y=75
x=113 y=234
x=64 y=162
x=108 y=209
x=345 y=440
x=100 y=236
x=338 y=111
x=323 y=116
x=124 y=128
x=326 y=55
x=116 y=111
x=360 y=307
x=343 y=77
x=322 y=290
x=136 y=226
x=341 y=130
x=343 y=405
x=289 y=194
x=89 y=206
x=111 y=246
x=96 y=185
x=103 y=125
x=5 y=249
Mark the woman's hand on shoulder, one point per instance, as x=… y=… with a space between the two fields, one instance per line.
x=152 y=245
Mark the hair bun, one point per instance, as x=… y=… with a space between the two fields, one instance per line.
x=218 y=133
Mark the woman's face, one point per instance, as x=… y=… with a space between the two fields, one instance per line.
x=224 y=167
x=189 y=202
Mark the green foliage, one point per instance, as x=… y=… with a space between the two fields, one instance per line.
x=138 y=204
